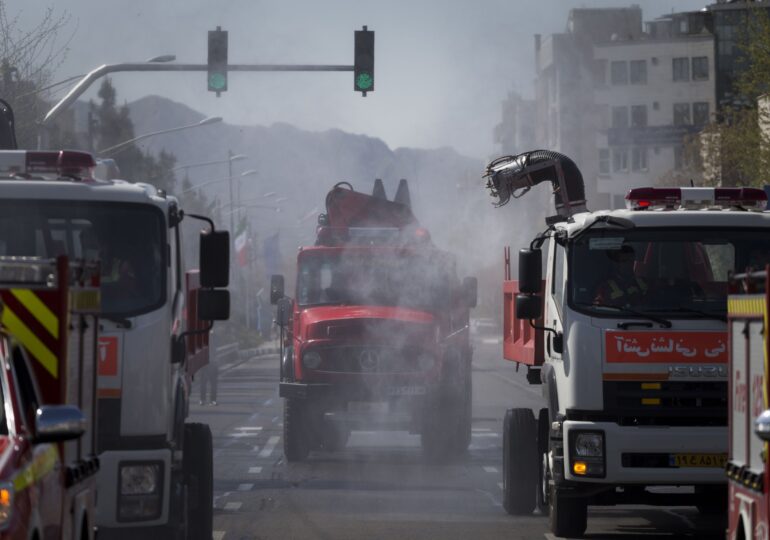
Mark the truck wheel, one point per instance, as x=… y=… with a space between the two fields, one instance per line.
x=466 y=423
x=198 y=468
x=568 y=515
x=296 y=445
x=520 y=462
x=543 y=447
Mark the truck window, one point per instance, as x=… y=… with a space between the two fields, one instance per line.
x=674 y=272
x=28 y=395
x=128 y=239
x=558 y=276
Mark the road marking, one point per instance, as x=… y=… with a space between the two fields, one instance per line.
x=241 y=435
x=255 y=470
x=486 y=434
x=491 y=341
x=249 y=428
x=245 y=487
x=490 y=469
x=218 y=535
x=270 y=446
x=255 y=449
x=481 y=429
x=268 y=402
x=500 y=485
x=233 y=506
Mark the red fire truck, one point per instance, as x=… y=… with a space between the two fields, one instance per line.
x=747 y=469
x=377 y=333
x=48 y=348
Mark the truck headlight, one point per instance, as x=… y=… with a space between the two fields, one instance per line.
x=311 y=360
x=6 y=504
x=589 y=445
x=139 y=479
x=586 y=452
x=141 y=491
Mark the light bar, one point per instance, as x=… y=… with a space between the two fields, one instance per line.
x=67 y=163
x=649 y=198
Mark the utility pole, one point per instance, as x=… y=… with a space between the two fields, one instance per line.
x=232 y=201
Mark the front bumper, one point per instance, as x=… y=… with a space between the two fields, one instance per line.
x=650 y=441
x=108 y=481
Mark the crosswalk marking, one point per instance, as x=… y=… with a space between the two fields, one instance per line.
x=500 y=485
x=245 y=487
x=249 y=428
x=242 y=434
x=233 y=506
x=218 y=535
x=255 y=470
x=490 y=469
x=270 y=446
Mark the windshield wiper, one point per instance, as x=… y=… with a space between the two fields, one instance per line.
x=121 y=322
x=660 y=320
x=705 y=314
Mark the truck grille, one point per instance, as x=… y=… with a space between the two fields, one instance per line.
x=676 y=403
x=363 y=359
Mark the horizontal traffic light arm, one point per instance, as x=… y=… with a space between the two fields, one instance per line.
x=85 y=83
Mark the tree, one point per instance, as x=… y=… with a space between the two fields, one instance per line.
x=27 y=60
x=735 y=148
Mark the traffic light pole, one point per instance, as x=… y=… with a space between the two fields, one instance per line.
x=85 y=83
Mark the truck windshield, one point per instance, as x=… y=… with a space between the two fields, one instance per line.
x=380 y=277
x=127 y=238
x=677 y=273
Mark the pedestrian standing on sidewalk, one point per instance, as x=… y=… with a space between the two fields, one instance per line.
x=210 y=372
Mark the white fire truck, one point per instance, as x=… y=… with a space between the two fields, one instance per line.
x=626 y=334
x=155 y=475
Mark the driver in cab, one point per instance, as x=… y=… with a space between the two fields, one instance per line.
x=622 y=286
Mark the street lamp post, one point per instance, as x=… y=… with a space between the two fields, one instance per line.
x=121 y=146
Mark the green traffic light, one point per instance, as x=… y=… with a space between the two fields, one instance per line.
x=364 y=81
x=217 y=81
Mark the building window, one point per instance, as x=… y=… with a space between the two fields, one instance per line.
x=681 y=69
x=639 y=116
x=619 y=72
x=620 y=117
x=620 y=160
x=639 y=159
x=700 y=113
x=681 y=114
x=604 y=161
x=700 y=68
x=638 y=71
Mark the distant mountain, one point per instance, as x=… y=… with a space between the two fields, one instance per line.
x=446 y=187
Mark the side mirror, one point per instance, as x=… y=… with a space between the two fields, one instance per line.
x=58 y=423
x=530 y=270
x=276 y=288
x=283 y=313
x=471 y=291
x=529 y=306
x=215 y=258
x=213 y=304
x=762 y=426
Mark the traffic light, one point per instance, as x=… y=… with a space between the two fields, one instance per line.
x=217 y=74
x=363 y=61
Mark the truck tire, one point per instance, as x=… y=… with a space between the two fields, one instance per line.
x=520 y=463
x=296 y=443
x=198 y=467
x=568 y=515
x=543 y=448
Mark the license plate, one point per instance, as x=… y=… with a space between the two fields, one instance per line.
x=369 y=407
x=698 y=460
x=396 y=391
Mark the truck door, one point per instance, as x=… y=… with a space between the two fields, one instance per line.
x=555 y=298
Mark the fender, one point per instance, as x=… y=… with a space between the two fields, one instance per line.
x=550 y=392
x=287 y=364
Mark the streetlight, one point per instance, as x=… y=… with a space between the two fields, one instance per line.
x=215 y=180
x=162 y=58
x=122 y=145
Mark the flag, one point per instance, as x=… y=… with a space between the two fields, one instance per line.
x=242 y=244
x=271 y=253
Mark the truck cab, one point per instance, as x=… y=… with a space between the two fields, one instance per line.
x=156 y=469
x=376 y=335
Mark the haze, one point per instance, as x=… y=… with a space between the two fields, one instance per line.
x=442 y=68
